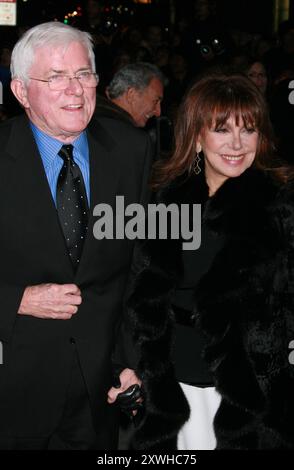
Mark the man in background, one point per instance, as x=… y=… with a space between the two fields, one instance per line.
x=134 y=94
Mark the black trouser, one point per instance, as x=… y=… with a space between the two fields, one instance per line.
x=75 y=430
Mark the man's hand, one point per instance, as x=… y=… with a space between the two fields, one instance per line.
x=55 y=301
x=127 y=378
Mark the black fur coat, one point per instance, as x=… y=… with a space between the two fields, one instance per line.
x=245 y=307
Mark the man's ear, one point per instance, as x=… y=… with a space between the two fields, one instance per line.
x=19 y=90
x=131 y=95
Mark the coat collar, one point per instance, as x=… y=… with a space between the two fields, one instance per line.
x=253 y=185
x=245 y=195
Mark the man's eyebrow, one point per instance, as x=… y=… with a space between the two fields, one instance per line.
x=81 y=69
x=87 y=67
x=57 y=71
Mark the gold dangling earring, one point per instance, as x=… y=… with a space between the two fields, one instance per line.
x=195 y=166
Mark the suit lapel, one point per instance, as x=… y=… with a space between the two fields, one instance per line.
x=103 y=171
x=103 y=184
x=34 y=193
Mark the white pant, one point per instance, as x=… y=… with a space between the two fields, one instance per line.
x=197 y=433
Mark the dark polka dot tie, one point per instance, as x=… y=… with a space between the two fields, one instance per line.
x=72 y=206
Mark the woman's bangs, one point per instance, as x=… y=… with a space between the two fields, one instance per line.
x=243 y=115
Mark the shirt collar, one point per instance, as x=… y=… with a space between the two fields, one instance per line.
x=49 y=146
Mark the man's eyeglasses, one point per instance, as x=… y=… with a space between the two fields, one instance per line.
x=60 y=82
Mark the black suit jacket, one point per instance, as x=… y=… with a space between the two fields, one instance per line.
x=37 y=353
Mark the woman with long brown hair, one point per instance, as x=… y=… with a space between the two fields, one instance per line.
x=213 y=326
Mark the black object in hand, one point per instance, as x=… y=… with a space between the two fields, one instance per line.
x=127 y=400
x=128 y=403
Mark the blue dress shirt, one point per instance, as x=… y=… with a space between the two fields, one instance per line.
x=49 y=148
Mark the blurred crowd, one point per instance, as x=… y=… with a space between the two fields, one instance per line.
x=193 y=47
